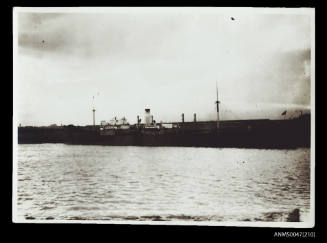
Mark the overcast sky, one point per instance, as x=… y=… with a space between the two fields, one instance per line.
x=168 y=61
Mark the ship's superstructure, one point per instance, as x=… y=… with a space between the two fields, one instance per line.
x=108 y=128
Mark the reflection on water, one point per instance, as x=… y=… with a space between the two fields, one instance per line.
x=58 y=181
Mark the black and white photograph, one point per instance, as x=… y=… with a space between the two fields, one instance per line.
x=164 y=116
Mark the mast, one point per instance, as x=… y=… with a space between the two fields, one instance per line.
x=93 y=113
x=93 y=117
x=217 y=102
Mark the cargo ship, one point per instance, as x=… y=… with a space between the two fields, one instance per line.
x=259 y=133
x=263 y=133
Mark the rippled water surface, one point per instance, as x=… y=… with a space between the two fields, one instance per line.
x=58 y=181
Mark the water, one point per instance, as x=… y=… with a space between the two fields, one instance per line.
x=58 y=181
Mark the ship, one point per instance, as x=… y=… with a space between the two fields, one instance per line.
x=255 y=133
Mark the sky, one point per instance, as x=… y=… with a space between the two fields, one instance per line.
x=167 y=60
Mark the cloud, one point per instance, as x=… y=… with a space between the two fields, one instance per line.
x=168 y=62
x=95 y=35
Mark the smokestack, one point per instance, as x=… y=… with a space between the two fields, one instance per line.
x=147 y=117
x=138 y=120
x=194 y=117
x=182 y=117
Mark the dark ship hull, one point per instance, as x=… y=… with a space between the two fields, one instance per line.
x=244 y=133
